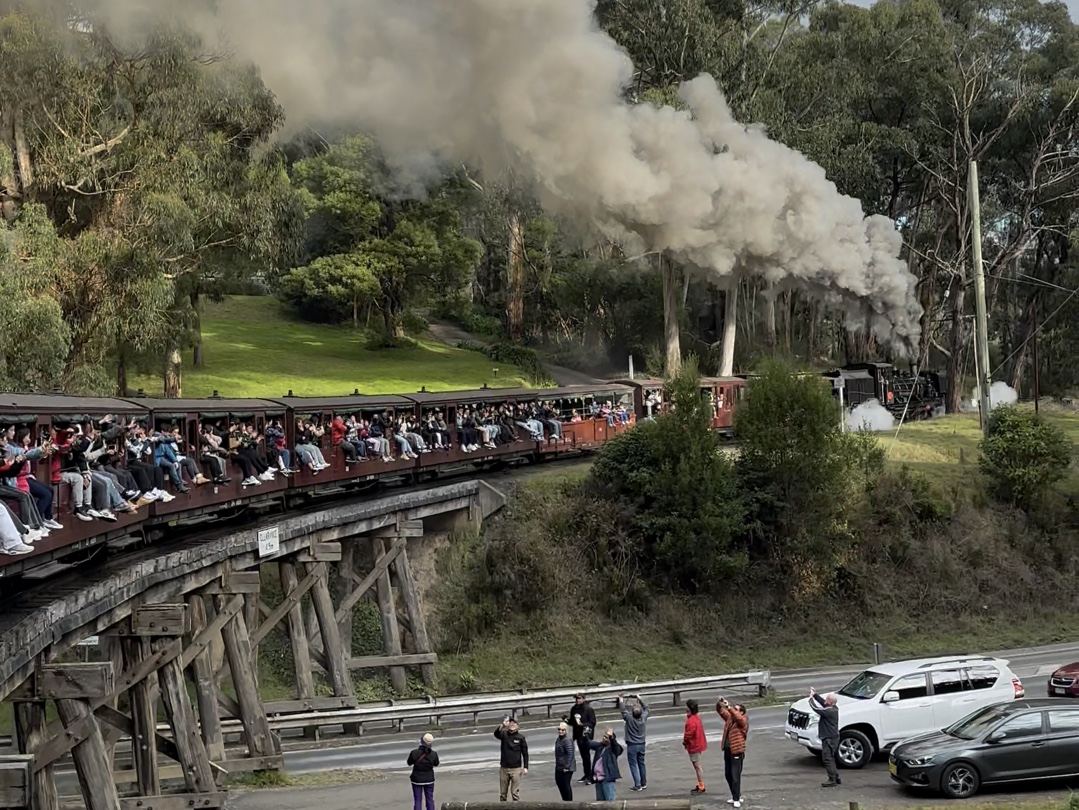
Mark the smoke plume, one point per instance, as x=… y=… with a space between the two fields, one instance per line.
x=870 y=416
x=535 y=86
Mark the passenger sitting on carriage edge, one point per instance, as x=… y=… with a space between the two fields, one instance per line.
x=26 y=481
x=550 y=418
x=338 y=438
x=275 y=437
x=352 y=424
x=211 y=454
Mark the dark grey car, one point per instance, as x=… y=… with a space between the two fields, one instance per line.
x=1016 y=741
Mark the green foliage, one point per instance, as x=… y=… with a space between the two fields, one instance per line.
x=513 y=355
x=677 y=492
x=1023 y=456
x=370 y=250
x=796 y=469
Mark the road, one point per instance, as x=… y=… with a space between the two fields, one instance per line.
x=777 y=773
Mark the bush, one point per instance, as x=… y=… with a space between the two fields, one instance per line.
x=524 y=358
x=678 y=492
x=797 y=471
x=1023 y=456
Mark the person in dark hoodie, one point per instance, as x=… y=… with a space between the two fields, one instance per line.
x=564 y=763
x=605 y=765
x=635 y=718
x=424 y=760
x=582 y=719
x=513 y=762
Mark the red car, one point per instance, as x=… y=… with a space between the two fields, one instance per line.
x=1065 y=681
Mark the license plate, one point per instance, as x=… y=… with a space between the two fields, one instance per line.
x=792 y=735
x=1060 y=691
x=892 y=769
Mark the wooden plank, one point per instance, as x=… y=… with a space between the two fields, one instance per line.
x=75 y=681
x=125 y=726
x=202 y=674
x=403 y=528
x=410 y=594
x=175 y=801
x=160 y=620
x=113 y=650
x=62 y=739
x=340 y=678
x=311 y=704
x=297 y=633
x=245 y=765
x=234 y=582
x=31 y=723
x=16 y=780
x=346 y=570
x=260 y=740
x=382 y=562
x=251 y=619
x=143 y=729
x=320 y=552
x=91 y=764
x=391 y=633
x=292 y=598
x=403 y=660
x=181 y=716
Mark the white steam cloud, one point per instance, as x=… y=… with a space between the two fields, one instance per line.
x=870 y=416
x=1000 y=393
x=535 y=86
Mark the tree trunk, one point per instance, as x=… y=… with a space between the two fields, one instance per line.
x=9 y=183
x=392 y=328
x=121 y=373
x=355 y=314
x=515 y=273
x=22 y=154
x=770 y=318
x=730 y=330
x=788 y=321
x=173 y=374
x=958 y=341
x=811 y=331
x=671 y=295
x=197 y=359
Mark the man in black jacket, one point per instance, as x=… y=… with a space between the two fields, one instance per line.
x=514 y=759
x=582 y=719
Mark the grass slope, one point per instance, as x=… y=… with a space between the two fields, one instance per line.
x=946 y=449
x=252 y=347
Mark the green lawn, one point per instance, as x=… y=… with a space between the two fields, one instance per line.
x=254 y=348
x=946 y=449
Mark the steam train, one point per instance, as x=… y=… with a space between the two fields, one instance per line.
x=591 y=414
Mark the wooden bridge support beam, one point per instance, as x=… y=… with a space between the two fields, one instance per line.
x=31 y=729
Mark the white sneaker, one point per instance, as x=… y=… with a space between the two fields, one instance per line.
x=52 y=524
x=31 y=536
x=150 y=496
x=18 y=548
x=736 y=804
x=266 y=476
x=165 y=497
x=93 y=513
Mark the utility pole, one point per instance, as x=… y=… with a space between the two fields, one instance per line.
x=981 y=327
x=1037 y=365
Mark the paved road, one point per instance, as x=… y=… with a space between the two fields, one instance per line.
x=777 y=772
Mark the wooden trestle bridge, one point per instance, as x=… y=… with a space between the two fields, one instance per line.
x=175 y=622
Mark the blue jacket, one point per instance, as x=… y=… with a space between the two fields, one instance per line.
x=610 y=754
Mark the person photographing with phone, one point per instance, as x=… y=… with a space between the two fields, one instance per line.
x=735 y=731
x=513 y=762
x=424 y=760
x=828 y=731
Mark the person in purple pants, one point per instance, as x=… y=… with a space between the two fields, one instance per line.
x=423 y=760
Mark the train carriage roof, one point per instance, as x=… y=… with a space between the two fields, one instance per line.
x=209 y=407
x=27 y=407
x=502 y=394
x=354 y=402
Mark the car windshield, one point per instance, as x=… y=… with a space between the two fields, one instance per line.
x=866 y=685
x=976 y=724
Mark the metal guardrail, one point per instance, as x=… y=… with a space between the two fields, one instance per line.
x=433 y=710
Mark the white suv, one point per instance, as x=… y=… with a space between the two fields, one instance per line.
x=892 y=702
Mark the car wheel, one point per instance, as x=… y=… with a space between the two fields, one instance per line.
x=855 y=750
x=960 y=781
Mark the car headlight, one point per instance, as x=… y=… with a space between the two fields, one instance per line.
x=918 y=762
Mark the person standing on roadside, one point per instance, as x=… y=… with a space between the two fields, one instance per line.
x=635 y=719
x=695 y=742
x=582 y=719
x=423 y=760
x=605 y=765
x=735 y=731
x=513 y=762
x=828 y=731
x=564 y=763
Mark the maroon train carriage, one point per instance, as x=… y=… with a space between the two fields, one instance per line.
x=724 y=395
x=45 y=416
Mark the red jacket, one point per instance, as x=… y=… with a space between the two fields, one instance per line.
x=735 y=729
x=693 y=739
x=338 y=431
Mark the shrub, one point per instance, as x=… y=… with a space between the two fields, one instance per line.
x=524 y=358
x=678 y=492
x=1023 y=456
